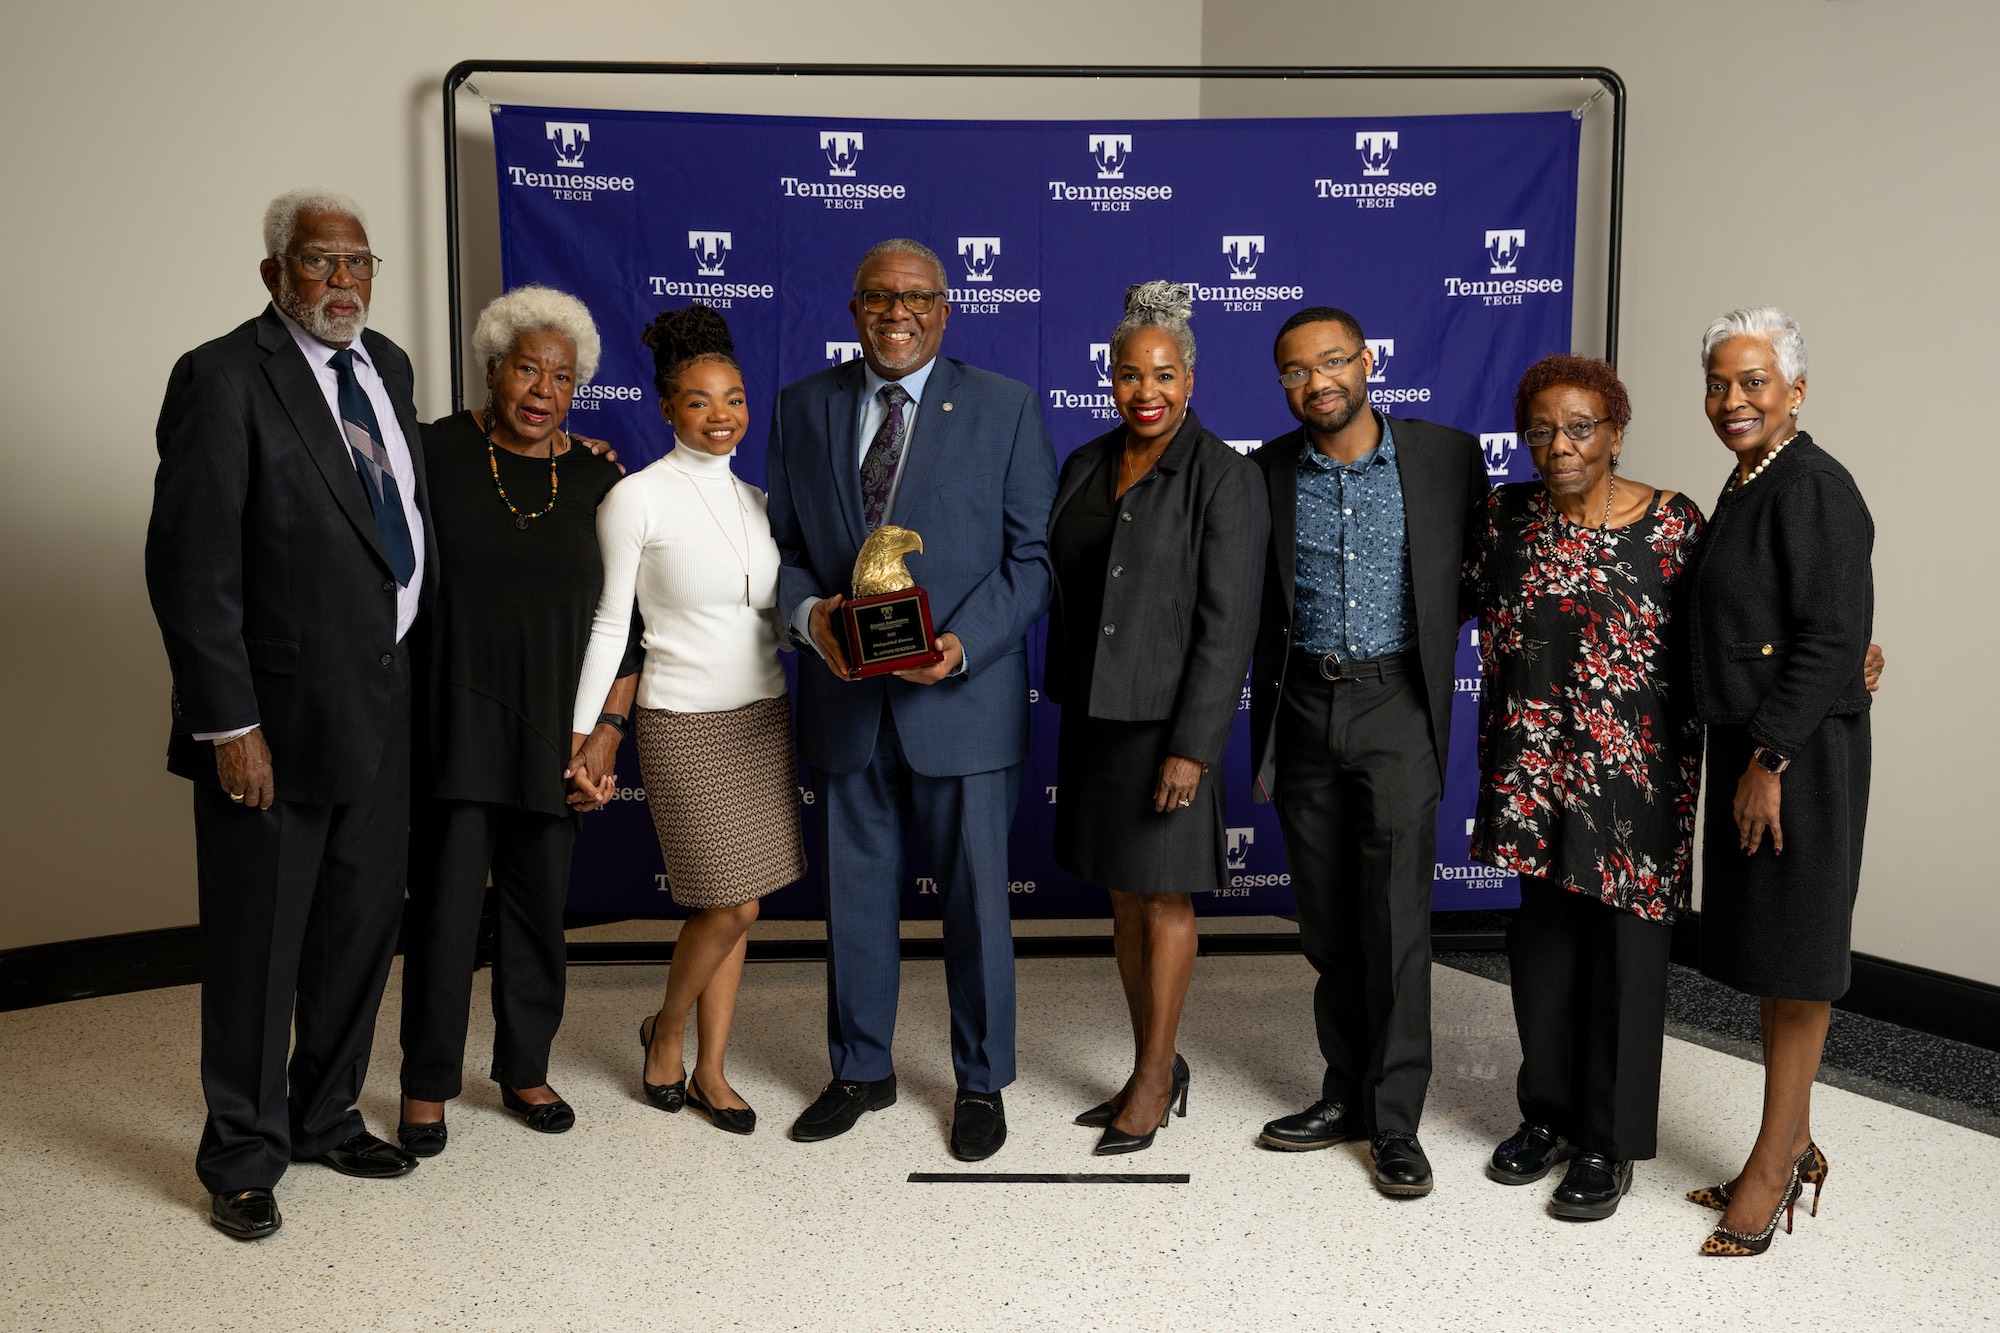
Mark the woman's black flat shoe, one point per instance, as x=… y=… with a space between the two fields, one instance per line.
x=732 y=1119
x=421 y=1140
x=554 y=1117
x=668 y=1097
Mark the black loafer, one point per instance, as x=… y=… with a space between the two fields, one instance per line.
x=368 y=1157
x=839 y=1105
x=1591 y=1189
x=731 y=1119
x=1321 y=1125
x=423 y=1139
x=1528 y=1155
x=246 y=1214
x=554 y=1117
x=1401 y=1169
x=978 y=1125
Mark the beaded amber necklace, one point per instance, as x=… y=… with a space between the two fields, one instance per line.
x=493 y=462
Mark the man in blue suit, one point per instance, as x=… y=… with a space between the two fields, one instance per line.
x=960 y=456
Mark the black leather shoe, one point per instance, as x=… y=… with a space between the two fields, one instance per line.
x=1320 y=1125
x=1528 y=1155
x=1401 y=1169
x=978 y=1125
x=422 y=1139
x=839 y=1105
x=668 y=1097
x=368 y=1157
x=733 y=1119
x=246 y=1214
x=554 y=1117
x=1101 y=1115
x=1591 y=1188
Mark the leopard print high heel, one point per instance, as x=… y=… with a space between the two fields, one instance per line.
x=1722 y=1243
x=1812 y=1171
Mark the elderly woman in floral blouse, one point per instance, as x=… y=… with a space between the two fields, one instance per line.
x=1590 y=759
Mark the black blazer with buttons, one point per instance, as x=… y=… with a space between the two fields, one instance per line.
x=1180 y=591
x=275 y=600
x=1443 y=475
x=1784 y=600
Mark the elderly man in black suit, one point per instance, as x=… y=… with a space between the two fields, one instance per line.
x=1350 y=706
x=286 y=557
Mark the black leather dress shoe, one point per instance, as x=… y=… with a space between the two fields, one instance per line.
x=556 y=1117
x=1320 y=1125
x=1592 y=1187
x=839 y=1105
x=1401 y=1169
x=246 y=1214
x=366 y=1156
x=978 y=1125
x=1528 y=1155
x=731 y=1119
x=422 y=1138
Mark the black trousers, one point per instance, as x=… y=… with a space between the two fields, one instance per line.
x=528 y=854
x=1357 y=797
x=1590 y=999
x=299 y=910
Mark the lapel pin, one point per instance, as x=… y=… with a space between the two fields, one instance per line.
x=947 y=407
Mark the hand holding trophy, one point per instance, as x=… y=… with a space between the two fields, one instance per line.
x=886 y=625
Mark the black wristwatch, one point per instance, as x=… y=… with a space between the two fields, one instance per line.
x=612 y=720
x=1770 y=760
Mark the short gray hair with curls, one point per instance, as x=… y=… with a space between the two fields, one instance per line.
x=902 y=245
x=1766 y=322
x=536 y=309
x=1159 y=304
x=281 y=215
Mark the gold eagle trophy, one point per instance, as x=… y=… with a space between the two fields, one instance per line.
x=886 y=623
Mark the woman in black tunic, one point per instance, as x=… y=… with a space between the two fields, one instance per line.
x=1783 y=601
x=514 y=505
x=1157 y=537
x=1589 y=761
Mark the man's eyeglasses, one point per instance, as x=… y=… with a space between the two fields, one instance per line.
x=1579 y=431
x=878 y=302
x=319 y=266
x=1330 y=367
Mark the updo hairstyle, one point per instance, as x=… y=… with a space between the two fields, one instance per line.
x=684 y=337
x=1162 y=305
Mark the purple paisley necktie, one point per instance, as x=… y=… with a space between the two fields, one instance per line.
x=878 y=465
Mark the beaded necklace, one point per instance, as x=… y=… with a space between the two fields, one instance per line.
x=493 y=462
x=1737 y=480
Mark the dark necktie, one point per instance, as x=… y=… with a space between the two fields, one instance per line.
x=364 y=438
x=878 y=465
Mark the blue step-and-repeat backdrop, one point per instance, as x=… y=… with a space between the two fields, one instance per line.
x=1452 y=238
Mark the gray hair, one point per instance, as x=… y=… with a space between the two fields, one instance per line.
x=1766 y=322
x=536 y=309
x=901 y=245
x=281 y=215
x=1162 y=305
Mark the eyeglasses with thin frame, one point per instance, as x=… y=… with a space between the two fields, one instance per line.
x=1541 y=436
x=1330 y=367
x=319 y=265
x=879 y=302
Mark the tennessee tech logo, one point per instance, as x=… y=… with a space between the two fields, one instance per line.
x=978 y=252
x=1237 y=849
x=838 y=354
x=1111 y=152
x=842 y=149
x=1381 y=349
x=710 y=248
x=1100 y=360
x=1242 y=252
x=1503 y=249
x=570 y=136
x=1499 y=451
x=1376 y=148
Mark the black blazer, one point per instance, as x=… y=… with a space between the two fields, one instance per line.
x=1180 y=590
x=1784 y=600
x=274 y=598
x=1443 y=475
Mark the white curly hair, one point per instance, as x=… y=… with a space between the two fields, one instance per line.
x=1159 y=304
x=535 y=309
x=281 y=215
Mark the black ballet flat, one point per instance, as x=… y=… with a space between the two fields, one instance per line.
x=422 y=1140
x=730 y=1119
x=554 y=1117
x=668 y=1097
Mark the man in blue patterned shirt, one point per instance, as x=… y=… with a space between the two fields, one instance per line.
x=1351 y=693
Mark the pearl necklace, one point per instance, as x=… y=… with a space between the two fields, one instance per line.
x=1737 y=480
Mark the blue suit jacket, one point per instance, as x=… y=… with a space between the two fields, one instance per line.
x=977 y=485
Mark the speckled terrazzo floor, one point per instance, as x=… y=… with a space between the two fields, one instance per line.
x=638 y=1219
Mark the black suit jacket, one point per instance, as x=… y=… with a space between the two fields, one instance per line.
x=266 y=573
x=1443 y=476
x=1181 y=591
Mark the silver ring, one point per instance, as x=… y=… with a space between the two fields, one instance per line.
x=1185 y=803
x=236 y=796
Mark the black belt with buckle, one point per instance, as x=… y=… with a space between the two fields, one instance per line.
x=1332 y=666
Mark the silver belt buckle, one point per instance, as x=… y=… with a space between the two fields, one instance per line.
x=1334 y=674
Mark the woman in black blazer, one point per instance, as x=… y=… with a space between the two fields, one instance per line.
x=1782 y=602
x=1157 y=537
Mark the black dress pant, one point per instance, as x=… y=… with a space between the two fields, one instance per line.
x=528 y=855
x=1590 y=999
x=1357 y=797
x=299 y=910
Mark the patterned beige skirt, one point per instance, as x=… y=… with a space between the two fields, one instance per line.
x=723 y=789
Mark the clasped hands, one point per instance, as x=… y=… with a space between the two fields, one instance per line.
x=592 y=779
x=820 y=622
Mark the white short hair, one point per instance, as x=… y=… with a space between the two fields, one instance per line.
x=1767 y=322
x=536 y=309
x=281 y=216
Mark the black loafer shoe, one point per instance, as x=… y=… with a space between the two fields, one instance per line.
x=1401 y=1169
x=368 y=1157
x=1529 y=1155
x=246 y=1214
x=1592 y=1187
x=554 y=1117
x=839 y=1105
x=978 y=1125
x=1320 y=1125
x=731 y=1119
x=424 y=1139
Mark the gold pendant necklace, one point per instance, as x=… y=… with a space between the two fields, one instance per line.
x=743 y=522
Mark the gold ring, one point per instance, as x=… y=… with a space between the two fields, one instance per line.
x=236 y=796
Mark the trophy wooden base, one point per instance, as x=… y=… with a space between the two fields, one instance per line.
x=889 y=631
